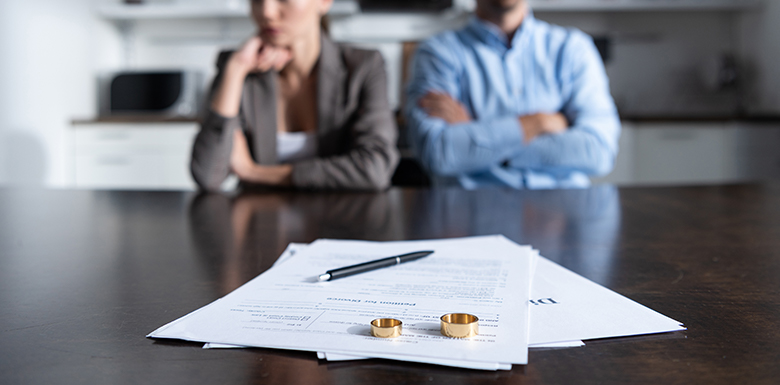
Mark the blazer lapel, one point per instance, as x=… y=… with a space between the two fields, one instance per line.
x=261 y=105
x=331 y=88
x=261 y=113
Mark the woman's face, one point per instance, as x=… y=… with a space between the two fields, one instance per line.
x=281 y=22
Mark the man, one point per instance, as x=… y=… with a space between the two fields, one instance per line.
x=510 y=100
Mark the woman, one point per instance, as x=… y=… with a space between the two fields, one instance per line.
x=293 y=108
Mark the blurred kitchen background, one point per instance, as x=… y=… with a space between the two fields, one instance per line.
x=697 y=82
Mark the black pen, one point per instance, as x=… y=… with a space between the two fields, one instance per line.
x=372 y=265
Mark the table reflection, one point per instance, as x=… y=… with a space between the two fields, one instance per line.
x=576 y=228
x=240 y=237
x=588 y=224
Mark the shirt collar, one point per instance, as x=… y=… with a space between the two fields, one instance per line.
x=491 y=35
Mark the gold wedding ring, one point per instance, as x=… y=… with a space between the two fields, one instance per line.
x=459 y=325
x=386 y=328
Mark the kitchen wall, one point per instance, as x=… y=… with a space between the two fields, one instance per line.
x=683 y=49
x=662 y=64
x=189 y=43
x=49 y=53
x=759 y=39
x=665 y=63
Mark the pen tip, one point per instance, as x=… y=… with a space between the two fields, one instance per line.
x=323 y=277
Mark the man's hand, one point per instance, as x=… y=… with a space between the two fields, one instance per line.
x=541 y=124
x=247 y=170
x=441 y=105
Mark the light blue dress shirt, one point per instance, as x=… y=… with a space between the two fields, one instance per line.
x=545 y=68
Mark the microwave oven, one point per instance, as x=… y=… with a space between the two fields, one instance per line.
x=162 y=93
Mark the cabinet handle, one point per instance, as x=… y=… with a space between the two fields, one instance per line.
x=678 y=135
x=114 y=136
x=113 y=161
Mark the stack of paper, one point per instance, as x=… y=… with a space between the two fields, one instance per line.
x=521 y=300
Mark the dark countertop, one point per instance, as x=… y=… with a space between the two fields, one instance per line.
x=700 y=118
x=134 y=119
x=626 y=117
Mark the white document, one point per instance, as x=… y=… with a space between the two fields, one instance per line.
x=347 y=357
x=325 y=355
x=566 y=306
x=565 y=309
x=286 y=308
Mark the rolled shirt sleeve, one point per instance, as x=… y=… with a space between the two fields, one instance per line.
x=590 y=144
x=446 y=149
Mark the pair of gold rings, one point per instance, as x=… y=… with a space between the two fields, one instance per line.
x=456 y=325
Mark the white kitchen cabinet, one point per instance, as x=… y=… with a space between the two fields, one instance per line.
x=670 y=153
x=151 y=156
x=623 y=171
x=683 y=153
x=757 y=149
x=155 y=156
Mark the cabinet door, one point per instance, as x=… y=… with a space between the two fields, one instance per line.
x=758 y=151
x=120 y=171
x=623 y=171
x=133 y=156
x=683 y=153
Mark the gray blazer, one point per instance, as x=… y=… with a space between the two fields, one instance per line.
x=356 y=131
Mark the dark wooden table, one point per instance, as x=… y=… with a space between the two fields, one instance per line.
x=85 y=275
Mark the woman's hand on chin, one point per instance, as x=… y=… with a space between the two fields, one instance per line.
x=255 y=56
